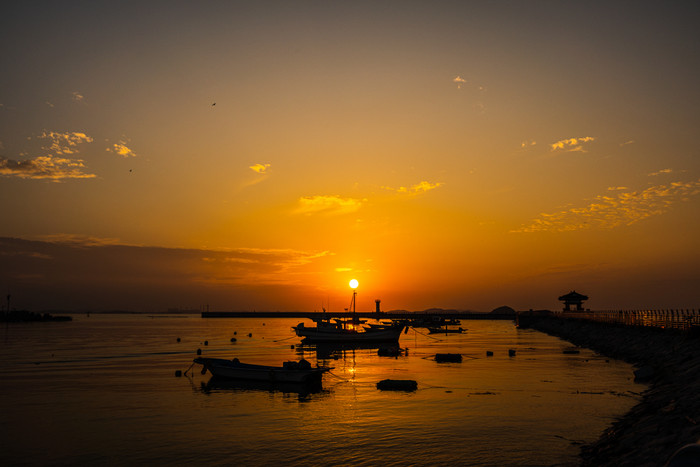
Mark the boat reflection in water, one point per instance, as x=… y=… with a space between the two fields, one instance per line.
x=216 y=384
x=340 y=350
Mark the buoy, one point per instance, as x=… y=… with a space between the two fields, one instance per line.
x=235 y=332
x=291 y=346
x=511 y=352
x=178 y=373
x=178 y=339
x=489 y=353
x=206 y=342
x=233 y=339
x=448 y=357
x=199 y=351
x=250 y=334
x=397 y=385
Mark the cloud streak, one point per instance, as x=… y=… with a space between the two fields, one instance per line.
x=571 y=144
x=122 y=149
x=260 y=168
x=608 y=212
x=328 y=205
x=44 y=167
x=420 y=187
x=64 y=143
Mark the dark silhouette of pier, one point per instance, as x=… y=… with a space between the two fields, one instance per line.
x=409 y=315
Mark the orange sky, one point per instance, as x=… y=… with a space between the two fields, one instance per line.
x=444 y=154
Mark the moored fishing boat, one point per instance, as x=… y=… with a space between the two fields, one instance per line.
x=347 y=332
x=289 y=372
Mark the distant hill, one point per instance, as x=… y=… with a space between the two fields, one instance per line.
x=503 y=310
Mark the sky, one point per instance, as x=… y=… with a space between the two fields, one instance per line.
x=259 y=155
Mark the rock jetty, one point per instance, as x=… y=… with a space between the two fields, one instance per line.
x=668 y=416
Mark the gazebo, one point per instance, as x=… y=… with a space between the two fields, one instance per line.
x=573 y=298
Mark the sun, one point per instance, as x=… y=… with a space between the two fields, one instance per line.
x=354 y=284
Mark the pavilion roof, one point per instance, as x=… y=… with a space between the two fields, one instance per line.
x=573 y=296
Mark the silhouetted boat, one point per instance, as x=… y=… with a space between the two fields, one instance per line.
x=351 y=330
x=289 y=372
x=348 y=332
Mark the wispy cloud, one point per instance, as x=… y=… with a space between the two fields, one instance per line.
x=259 y=168
x=52 y=165
x=420 y=187
x=572 y=144
x=64 y=143
x=617 y=188
x=78 y=97
x=44 y=167
x=122 y=149
x=526 y=144
x=328 y=205
x=627 y=142
x=460 y=81
x=607 y=212
x=661 y=172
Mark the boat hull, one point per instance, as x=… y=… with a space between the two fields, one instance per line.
x=228 y=369
x=315 y=334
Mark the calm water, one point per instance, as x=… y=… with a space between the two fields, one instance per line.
x=101 y=390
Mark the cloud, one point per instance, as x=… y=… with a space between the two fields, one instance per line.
x=260 y=168
x=328 y=205
x=617 y=188
x=122 y=149
x=78 y=97
x=44 y=167
x=526 y=144
x=607 y=212
x=93 y=273
x=572 y=144
x=660 y=172
x=64 y=143
x=49 y=104
x=460 y=81
x=627 y=142
x=420 y=187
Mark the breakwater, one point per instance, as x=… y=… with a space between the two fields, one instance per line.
x=315 y=315
x=668 y=416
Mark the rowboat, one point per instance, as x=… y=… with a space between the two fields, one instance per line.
x=289 y=372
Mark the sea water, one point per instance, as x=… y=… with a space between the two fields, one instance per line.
x=102 y=390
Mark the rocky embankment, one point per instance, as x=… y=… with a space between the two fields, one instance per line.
x=668 y=417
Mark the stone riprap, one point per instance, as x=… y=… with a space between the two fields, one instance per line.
x=668 y=416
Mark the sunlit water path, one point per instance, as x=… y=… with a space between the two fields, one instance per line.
x=102 y=390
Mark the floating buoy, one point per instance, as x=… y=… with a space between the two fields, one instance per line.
x=178 y=339
x=199 y=351
x=233 y=339
x=178 y=373
x=235 y=332
x=489 y=353
x=448 y=357
x=291 y=346
x=511 y=352
x=397 y=385
x=206 y=342
x=250 y=334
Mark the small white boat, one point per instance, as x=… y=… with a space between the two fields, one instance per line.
x=289 y=372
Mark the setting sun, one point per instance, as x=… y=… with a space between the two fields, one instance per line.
x=354 y=284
